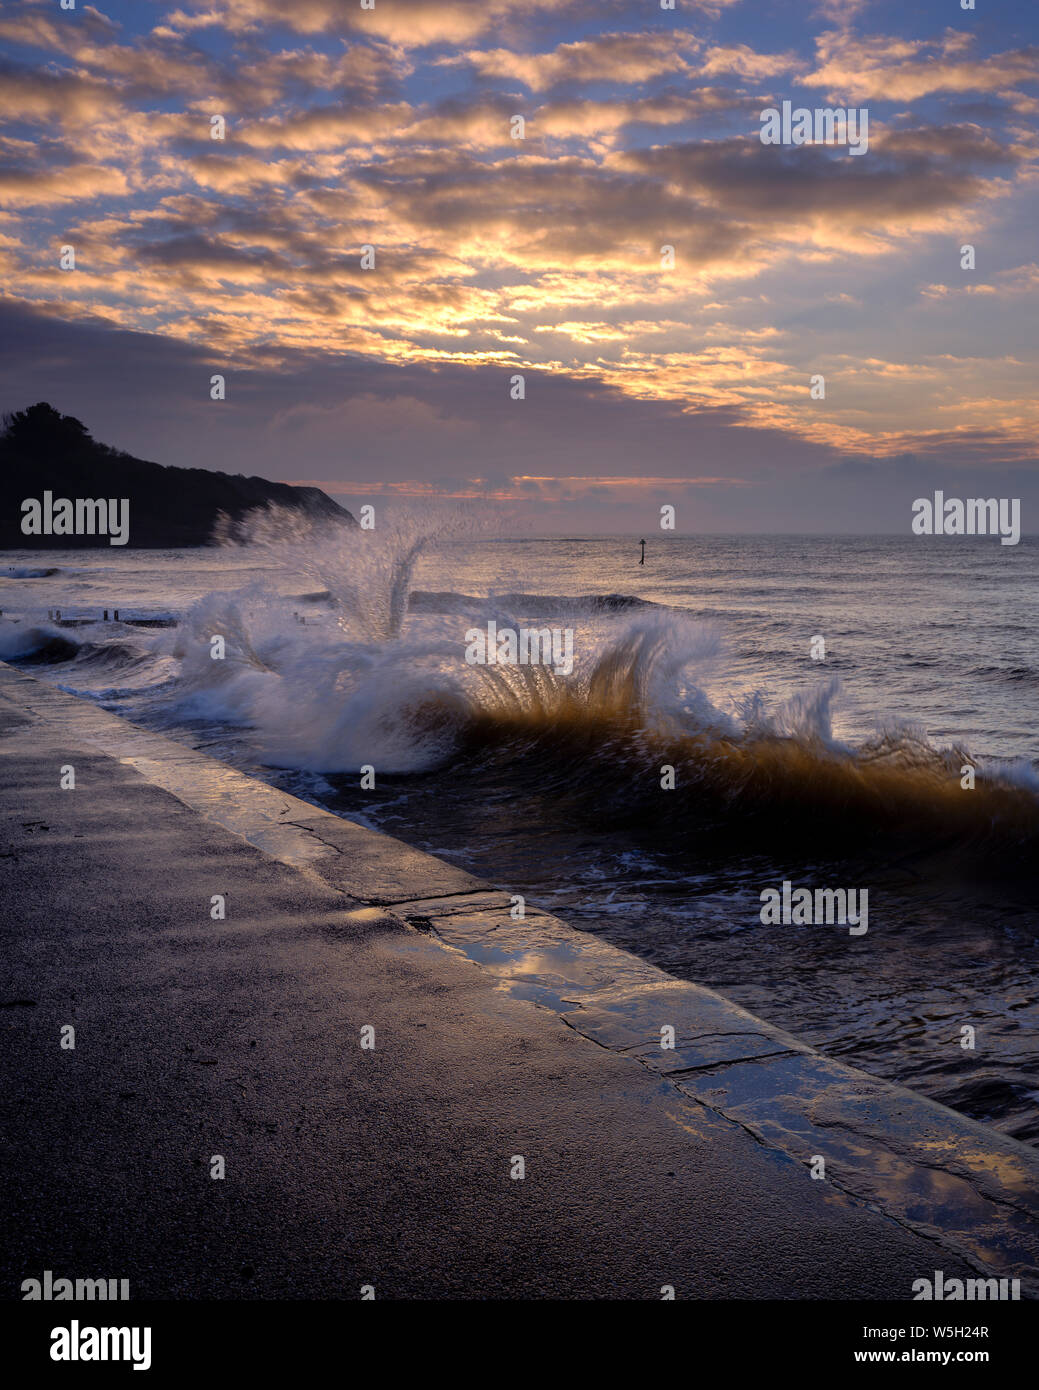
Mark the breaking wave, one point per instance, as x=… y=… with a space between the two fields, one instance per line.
x=360 y=670
x=37 y=642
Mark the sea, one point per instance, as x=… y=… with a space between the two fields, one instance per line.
x=855 y=712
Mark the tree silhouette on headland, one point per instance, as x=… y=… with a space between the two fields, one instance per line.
x=43 y=450
x=40 y=427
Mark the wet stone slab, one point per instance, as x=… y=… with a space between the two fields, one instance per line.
x=968 y=1187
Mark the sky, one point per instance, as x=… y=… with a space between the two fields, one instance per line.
x=645 y=383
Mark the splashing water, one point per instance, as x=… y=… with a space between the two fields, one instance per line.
x=365 y=678
x=366 y=575
x=359 y=670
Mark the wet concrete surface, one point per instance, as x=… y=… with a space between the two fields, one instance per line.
x=241 y=1038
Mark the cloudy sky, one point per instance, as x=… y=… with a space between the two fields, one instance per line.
x=392 y=127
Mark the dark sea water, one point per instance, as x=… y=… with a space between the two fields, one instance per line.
x=840 y=772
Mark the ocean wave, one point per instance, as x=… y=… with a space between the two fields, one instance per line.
x=1008 y=673
x=39 y=643
x=530 y=605
x=382 y=680
x=601 y=741
x=50 y=644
